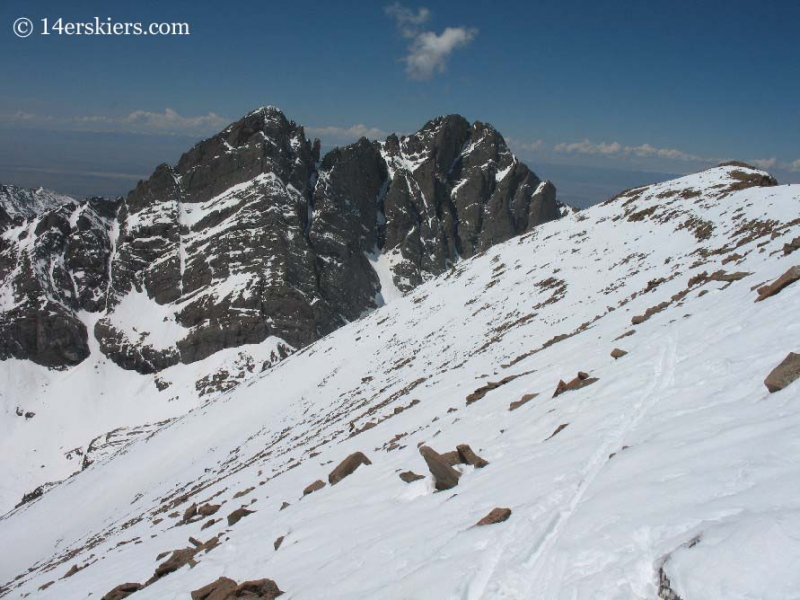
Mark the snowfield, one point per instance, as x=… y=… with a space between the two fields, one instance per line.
x=675 y=475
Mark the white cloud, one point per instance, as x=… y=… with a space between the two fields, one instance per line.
x=408 y=21
x=170 y=122
x=615 y=149
x=428 y=51
x=765 y=163
x=587 y=147
x=794 y=166
x=334 y=135
x=520 y=146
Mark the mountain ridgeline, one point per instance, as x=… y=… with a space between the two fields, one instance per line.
x=254 y=235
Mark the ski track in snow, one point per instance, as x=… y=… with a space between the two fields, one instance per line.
x=538 y=568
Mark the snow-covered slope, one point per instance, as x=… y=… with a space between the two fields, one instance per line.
x=675 y=473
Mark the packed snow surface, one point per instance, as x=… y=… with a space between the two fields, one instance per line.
x=676 y=468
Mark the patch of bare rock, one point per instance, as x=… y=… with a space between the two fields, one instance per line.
x=779 y=284
x=496 y=515
x=784 y=374
x=238 y=515
x=582 y=380
x=410 y=476
x=313 y=487
x=444 y=476
x=525 y=399
x=227 y=589
x=617 y=353
x=558 y=430
x=122 y=591
x=347 y=467
x=791 y=246
x=441 y=465
x=492 y=385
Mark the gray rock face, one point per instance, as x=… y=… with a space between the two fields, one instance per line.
x=251 y=236
x=54 y=261
x=456 y=190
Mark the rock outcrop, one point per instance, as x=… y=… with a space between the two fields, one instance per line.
x=496 y=515
x=581 y=380
x=444 y=475
x=784 y=374
x=227 y=589
x=785 y=280
x=347 y=467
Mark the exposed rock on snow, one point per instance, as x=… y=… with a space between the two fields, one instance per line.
x=122 y=591
x=238 y=515
x=313 y=487
x=216 y=590
x=580 y=381
x=468 y=457
x=410 y=476
x=558 y=430
x=444 y=475
x=790 y=247
x=784 y=374
x=227 y=589
x=781 y=282
x=524 y=400
x=496 y=515
x=347 y=467
x=617 y=353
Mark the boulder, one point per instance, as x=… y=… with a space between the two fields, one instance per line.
x=582 y=380
x=313 y=487
x=468 y=457
x=221 y=589
x=497 y=515
x=261 y=589
x=784 y=374
x=72 y=570
x=238 y=515
x=206 y=510
x=178 y=559
x=347 y=467
x=617 y=353
x=123 y=591
x=227 y=589
x=444 y=475
x=410 y=476
x=791 y=246
x=190 y=513
x=278 y=542
x=525 y=398
x=788 y=278
x=452 y=458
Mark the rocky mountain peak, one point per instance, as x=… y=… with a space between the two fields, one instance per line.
x=253 y=235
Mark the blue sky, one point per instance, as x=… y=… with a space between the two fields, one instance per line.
x=628 y=87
